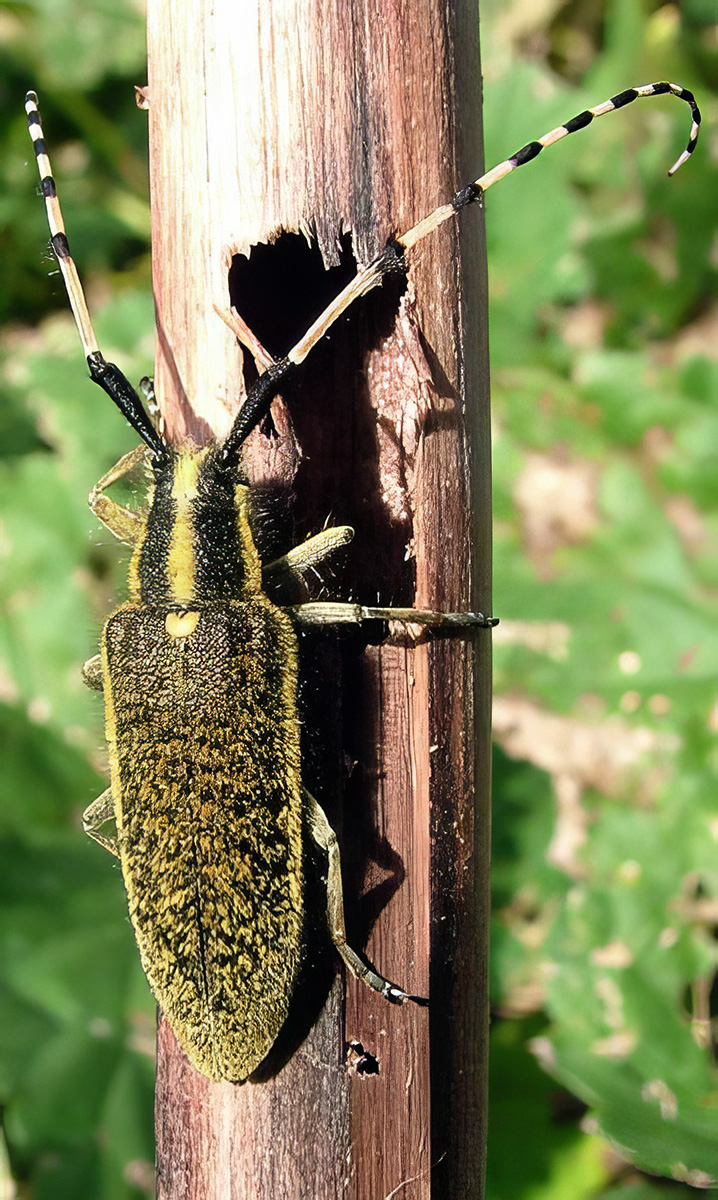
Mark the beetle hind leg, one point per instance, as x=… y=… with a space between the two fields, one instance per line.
x=326 y=839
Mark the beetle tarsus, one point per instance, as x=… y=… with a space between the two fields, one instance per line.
x=398 y=996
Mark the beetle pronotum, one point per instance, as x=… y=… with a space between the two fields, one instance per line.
x=198 y=671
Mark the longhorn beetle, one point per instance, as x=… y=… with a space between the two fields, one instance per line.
x=199 y=675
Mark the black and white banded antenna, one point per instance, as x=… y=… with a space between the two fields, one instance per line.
x=274 y=374
x=532 y=149
x=109 y=377
x=392 y=259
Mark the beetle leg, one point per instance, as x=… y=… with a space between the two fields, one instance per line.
x=126 y=524
x=326 y=839
x=96 y=814
x=321 y=612
x=308 y=554
x=92 y=673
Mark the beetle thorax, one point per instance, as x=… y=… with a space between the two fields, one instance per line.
x=197 y=547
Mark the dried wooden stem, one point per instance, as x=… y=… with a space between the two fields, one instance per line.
x=323 y=118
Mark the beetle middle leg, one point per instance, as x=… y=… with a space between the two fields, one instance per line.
x=325 y=837
x=92 y=673
x=96 y=814
x=323 y=612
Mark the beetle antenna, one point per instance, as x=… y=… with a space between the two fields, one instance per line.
x=109 y=377
x=474 y=190
x=391 y=259
x=374 y=273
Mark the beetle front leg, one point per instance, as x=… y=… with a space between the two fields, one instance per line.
x=126 y=524
x=96 y=814
x=314 y=550
x=325 y=837
x=308 y=554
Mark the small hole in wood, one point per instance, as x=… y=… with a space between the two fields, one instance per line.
x=282 y=287
x=362 y=1061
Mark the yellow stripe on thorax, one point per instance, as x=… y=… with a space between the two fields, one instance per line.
x=134 y=575
x=181 y=564
x=247 y=548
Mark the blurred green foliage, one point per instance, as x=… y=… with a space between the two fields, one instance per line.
x=76 y=1018
x=605 y=383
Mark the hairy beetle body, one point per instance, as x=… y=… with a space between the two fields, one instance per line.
x=204 y=750
x=199 y=671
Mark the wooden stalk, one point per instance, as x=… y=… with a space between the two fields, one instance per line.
x=327 y=119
